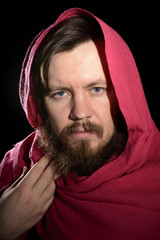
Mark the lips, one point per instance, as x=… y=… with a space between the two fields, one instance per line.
x=80 y=130
x=81 y=133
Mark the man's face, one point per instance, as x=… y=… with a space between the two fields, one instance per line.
x=79 y=97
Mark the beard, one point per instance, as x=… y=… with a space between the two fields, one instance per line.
x=80 y=157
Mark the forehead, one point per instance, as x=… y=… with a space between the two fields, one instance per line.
x=77 y=66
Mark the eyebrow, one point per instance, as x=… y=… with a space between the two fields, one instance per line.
x=52 y=88
x=101 y=82
x=97 y=82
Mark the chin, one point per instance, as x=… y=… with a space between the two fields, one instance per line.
x=88 y=145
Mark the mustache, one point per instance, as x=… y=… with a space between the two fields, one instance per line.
x=87 y=126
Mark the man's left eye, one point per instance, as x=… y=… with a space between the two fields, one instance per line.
x=97 y=90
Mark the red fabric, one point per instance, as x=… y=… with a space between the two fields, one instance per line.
x=122 y=199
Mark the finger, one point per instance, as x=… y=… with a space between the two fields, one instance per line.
x=43 y=181
x=36 y=171
x=24 y=171
x=47 y=204
x=56 y=176
x=48 y=192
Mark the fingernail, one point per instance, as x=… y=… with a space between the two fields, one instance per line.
x=24 y=170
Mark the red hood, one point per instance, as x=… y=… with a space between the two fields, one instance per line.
x=126 y=80
x=122 y=68
x=121 y=200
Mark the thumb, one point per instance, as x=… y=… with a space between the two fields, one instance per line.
x=24 y=171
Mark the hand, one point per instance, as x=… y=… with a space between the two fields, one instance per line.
x=24 y=203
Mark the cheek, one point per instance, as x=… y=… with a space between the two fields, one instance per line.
x=102 y=109
x=57 y=115
x=105 y=118
x=58 y=121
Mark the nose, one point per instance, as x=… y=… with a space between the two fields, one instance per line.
x=81 y=108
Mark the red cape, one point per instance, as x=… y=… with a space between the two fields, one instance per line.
x=121 y=200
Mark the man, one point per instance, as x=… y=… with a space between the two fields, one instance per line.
x=91 y=168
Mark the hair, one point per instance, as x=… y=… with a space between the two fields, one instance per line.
x=65 y=36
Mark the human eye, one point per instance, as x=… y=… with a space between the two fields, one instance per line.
x=98 y=90
x=59 y=94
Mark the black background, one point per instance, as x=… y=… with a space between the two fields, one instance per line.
x=138 y=26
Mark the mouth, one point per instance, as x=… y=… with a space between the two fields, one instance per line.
x=81 y=133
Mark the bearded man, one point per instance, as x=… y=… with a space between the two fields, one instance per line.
x=91 y=168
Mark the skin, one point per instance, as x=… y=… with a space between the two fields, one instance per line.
x=78 y=92
x=25 y=202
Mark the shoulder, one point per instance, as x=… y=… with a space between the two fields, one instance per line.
x=14 y=160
